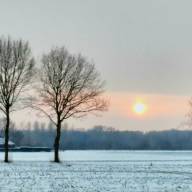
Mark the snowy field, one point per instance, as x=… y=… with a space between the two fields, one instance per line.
x=98 y=171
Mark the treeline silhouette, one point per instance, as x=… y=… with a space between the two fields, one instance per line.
x=101 y=137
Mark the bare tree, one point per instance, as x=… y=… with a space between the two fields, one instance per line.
x=16 y=69
x=71 y=87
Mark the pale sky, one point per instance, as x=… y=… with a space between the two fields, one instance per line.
x=142 y=49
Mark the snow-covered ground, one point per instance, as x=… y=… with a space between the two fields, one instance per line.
x=98 y=171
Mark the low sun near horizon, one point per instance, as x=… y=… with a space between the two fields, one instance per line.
x=139 y=108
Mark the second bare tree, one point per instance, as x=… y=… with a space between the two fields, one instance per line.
x=70 y=87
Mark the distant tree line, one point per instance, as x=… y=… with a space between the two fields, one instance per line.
x=101 y=137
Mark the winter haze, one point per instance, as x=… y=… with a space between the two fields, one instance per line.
x=142 y=49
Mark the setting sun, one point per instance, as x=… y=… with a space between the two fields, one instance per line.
x=139 y=108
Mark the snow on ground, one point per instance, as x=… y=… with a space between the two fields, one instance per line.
x=98 y=171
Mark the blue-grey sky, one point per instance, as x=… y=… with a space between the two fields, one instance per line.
x=142 y=49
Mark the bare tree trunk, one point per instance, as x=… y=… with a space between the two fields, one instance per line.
x=7 y=136
x=57 y=141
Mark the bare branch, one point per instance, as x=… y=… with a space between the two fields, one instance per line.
x=16 y=70
x=70 y=85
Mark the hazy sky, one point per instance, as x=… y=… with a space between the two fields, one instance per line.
x=142 y=49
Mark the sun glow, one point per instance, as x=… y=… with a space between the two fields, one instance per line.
x=139 y=108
